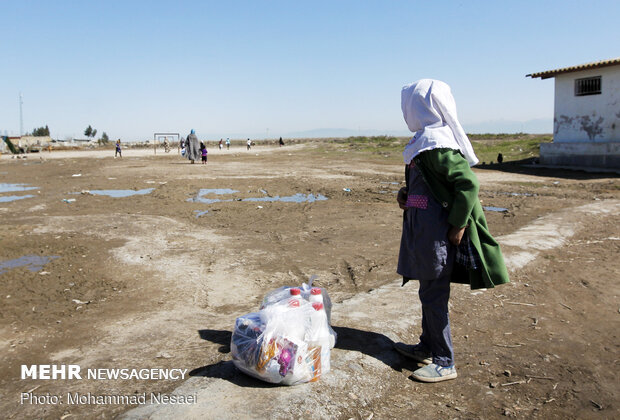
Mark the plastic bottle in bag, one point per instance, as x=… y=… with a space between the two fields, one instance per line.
x=320 y=335
x=295 y=294
x=316 y=295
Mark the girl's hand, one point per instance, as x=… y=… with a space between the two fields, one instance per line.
x=455 y=235
x=401 y=197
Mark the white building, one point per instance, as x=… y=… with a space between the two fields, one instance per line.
x=586 y=120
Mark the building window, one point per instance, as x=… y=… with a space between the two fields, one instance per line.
x=588 y=86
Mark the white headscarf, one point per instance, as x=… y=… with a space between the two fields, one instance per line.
x=430 y=113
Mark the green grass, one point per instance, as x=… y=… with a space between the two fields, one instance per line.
x=513 y=147
x=377 y=144
x=499 y=136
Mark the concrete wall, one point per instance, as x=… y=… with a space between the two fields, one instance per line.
x=590 y=118
x=33 y=141
x=605 y=155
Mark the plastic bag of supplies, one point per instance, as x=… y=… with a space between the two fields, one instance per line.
x=289 y=340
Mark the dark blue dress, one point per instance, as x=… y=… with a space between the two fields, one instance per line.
x=425 y=252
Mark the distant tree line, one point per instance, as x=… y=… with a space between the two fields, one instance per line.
x=92 y=132
x=41 y=131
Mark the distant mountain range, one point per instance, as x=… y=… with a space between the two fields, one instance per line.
x=538 y=126
x=535 y=126
x=344 y=132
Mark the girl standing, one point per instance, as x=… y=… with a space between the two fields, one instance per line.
x=203 y=152
x=445 y=237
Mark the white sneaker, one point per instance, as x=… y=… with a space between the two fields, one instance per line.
x=434 y=373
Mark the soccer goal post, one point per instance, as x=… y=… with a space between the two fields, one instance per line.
x=167 y=140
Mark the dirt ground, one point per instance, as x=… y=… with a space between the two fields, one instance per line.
x=154 y=281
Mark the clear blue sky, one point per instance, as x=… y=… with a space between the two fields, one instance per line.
x=240 y=68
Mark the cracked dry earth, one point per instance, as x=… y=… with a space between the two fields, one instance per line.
x=155 y=281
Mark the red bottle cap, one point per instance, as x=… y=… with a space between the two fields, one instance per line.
x=317 y=306
x=315 y=291
x=294 y=303
x=295 y=291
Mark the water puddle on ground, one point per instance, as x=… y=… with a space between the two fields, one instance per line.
x=122 y=193
x=200 y=198
x=4 y=188
x=384 y=184
x=15 y=187
x=31 y=262
x=218 y=191
x=200 y=213
x=9 y=198
x=498 y=209
x=514 y=194
x=296 y=198
x=206 y=200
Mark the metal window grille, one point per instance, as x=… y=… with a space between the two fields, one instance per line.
x=588 y=86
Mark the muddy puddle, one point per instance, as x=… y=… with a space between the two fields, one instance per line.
x=493 y=208
x=5 y=188
x=295 y=198
x=121 y=193
x=515 y=194
x=216 y=191
x=200 y=213
x=9 y=198
x=15 y=188
x=31 y=262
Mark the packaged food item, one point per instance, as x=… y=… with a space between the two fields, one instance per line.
x=246 y=338
x=289 y=340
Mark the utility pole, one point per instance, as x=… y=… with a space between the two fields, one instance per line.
x=21 y=115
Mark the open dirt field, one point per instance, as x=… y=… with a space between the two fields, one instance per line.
x=156 y=281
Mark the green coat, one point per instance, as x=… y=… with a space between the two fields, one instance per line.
x=455 y=186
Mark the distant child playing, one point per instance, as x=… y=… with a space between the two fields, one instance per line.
x=203 y=152
x=118 y=149
x=445 y=236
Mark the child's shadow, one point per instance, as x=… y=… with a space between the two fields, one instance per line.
x=372 y=344
x=367 y=342
x=225 y=369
